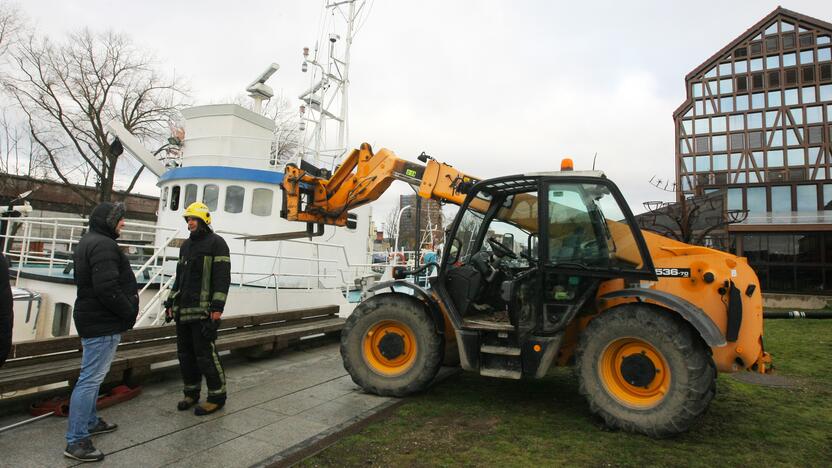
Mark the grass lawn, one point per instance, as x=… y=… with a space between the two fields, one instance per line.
x=470 y=420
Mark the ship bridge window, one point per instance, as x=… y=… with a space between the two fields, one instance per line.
x=234 y=196
x=190 y=194
x=164 y=201
x=174 y=198
x=261 y=202
x=60 y=322
x=210 y=196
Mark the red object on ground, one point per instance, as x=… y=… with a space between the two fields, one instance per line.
x=60 y=405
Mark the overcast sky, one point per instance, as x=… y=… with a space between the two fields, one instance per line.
x=491 y=87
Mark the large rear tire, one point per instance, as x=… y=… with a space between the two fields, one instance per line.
x=646 y=370
x=390 y=346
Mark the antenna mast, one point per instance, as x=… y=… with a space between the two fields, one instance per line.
x=322 y=109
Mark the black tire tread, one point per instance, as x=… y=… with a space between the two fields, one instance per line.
x=701 y=371
x=417 y=378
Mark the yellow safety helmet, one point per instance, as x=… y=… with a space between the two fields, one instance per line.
x=198 y=210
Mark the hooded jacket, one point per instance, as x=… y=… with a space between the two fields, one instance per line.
x=203 y=276
x=107 y=302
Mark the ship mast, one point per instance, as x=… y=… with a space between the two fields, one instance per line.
x=325 y=104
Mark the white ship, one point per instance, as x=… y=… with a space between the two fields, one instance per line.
x=227 y=162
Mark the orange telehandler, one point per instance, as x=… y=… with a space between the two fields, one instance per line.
x=545 y=269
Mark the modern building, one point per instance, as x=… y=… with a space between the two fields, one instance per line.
x=756 y=126
x=430 y=223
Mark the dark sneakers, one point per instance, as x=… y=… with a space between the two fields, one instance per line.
x=103 y=427
x=83 y=451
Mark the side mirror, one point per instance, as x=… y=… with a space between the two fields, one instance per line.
x=508 y=241
x=532 y=246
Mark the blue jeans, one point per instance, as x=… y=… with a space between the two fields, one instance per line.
x=98 y=354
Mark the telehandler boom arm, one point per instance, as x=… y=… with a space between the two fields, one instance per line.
x=362 y=178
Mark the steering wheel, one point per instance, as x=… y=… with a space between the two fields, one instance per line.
x=501 y=250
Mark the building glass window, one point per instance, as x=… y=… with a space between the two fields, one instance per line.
x=826 y=92
x=771 y=119
x=174 y=198
x=781 y=199
x=775 y=158
x=808 y=95
x=823 y=40
x=711 y=73
x=815 y=135
x=736 y=122
x=776 y=138
x=755 y=120
x=755 y=139
x=702 y=144
x=234 y=197
x=807 y=198
x=726 y=86
x=190 y=194
x=774 y=98
x=718 y=124
x=735 y=160
x=726 y=104
x=687 y=125
x=737 y=141
x=756 y=199
x=687 y=164
x=772 y=43
x=797 y=115
x=720 y=162
x=697 y=90
x=814 y=114
x=824 y=54
x=790 y=97
x=742 y=102
x=683 y=146
x=742 y=83
x=792 y=136
x=788 y=41
x=702 y=126
x=719 y=143
x=734 y=198
x=756 y=64
x=703 y=164
x=796 y=157
x=789 y=60
x=806 y=56
x=758 y=159
x=827 y=205
x=772 y=62
x=210 y=196
x=261 y=202
x=740 y=66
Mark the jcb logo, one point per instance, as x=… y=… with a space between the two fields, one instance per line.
x=673 y=272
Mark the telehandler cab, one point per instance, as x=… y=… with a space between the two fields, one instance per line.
x=539 y=270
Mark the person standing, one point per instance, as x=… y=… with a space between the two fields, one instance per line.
x=106 y=305
x=196 y=302
x=6 y=311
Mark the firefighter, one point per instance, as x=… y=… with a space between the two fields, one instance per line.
x=196 y=303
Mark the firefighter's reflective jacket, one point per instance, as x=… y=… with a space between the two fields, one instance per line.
x=203 y=275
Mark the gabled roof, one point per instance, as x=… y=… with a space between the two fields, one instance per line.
x=778 y=12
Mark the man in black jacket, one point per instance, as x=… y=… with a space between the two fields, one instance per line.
x=6 y=311
x=107 y=305
x=196 y=302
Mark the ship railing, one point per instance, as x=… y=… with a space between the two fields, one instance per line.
x=65 y=233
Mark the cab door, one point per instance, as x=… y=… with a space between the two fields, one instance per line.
x=588 y=235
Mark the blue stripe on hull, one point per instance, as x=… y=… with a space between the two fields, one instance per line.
x=222 y=173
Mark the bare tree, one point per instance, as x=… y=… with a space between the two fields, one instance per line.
x=68 y=92
x=390 y=223
x=11 y=25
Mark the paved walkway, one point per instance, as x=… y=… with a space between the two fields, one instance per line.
x=275 y=407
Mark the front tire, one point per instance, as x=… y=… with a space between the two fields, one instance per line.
x=643 y=369
x=390 y=346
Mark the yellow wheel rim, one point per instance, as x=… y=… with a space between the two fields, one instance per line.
x=635 y=373
x=389 y=348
